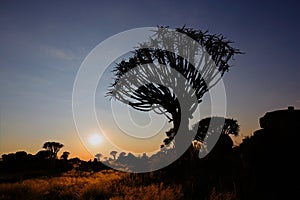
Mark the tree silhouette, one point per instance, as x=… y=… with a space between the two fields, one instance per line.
x=98 y=156
x=65 y=155
x=175 y=98
x=43 y=154
x=215 y=125
x=211 y=125
x=15 y=157
x=53 y=148
x=114 y=153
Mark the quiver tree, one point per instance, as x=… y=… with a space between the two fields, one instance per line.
x=114 y=154
x=98 y=156
x=215 y=126
x=170 y=73
x=65 y=155
x=53 y=148
x=211 y=125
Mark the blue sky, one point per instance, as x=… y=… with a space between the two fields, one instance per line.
x=42 y=45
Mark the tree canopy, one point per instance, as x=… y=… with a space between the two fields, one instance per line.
x=211 y=125
x=53 y=148
x=214 y=132
x=114 y=154
x=170 y=73
x=65 y=155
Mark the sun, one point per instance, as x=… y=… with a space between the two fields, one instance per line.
x=95 y=139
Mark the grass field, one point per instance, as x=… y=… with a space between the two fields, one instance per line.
x=107 y=184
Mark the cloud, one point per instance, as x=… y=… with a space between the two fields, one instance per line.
x=59 y=53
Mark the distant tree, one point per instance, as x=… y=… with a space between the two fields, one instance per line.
x=130 y=158
x=53 y=148
x=114 y=154
x=65 y=155
x=75 y=160
x=214 y=125
x=43 y=154
x=121 y=157
x=98 y=156
x=211 y=125
x=122 y=154
x=18 y=156
x=156 y=64
x=105 y=158
x=21 y=155
x=144 y=156
x=8 y=157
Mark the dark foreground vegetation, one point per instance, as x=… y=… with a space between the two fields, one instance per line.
x=263 y=166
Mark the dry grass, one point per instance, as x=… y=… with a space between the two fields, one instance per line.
x=106 y=184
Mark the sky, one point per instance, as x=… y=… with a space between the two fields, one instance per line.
x=43 y=44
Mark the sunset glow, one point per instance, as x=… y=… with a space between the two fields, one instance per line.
x=95 y=139
x=40 y=57
x=149 y=100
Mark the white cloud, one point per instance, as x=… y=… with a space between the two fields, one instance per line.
x=59 y=53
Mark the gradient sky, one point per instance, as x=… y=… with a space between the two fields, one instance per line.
x=42 y=45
